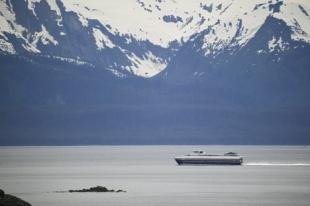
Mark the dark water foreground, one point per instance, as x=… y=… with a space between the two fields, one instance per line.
x=271 y=175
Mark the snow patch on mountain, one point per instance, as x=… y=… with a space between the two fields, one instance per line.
x=147 y=66
x=9 y=25
x=296 y=18
x=30 y=48
x=142 y=24
x=8 y=21
x=7 y=47
x=117 y=73
x=233 y=26
x=32 y=5
x=70 y=60
x=102 y=41
x=44 y=36
x=31 y=44
x=277 y=45
x=53 y=6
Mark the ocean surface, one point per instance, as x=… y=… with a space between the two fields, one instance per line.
x=271 y=175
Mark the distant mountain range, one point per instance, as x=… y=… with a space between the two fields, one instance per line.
x=154 y=72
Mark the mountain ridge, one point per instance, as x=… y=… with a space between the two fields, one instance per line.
x=233 y=72
x=138 y=52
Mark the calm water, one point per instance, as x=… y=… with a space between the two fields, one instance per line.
x=272 y=175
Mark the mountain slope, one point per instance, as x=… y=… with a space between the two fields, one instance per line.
x=154 y=72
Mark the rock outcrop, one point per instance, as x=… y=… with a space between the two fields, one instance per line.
x=10 y=200
x=96 y=189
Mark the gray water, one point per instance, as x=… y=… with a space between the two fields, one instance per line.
x=271 y=175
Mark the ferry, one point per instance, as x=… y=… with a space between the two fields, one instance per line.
x=202 y=158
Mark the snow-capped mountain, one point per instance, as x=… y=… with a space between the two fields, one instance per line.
x=142 y=37
x=154 y=71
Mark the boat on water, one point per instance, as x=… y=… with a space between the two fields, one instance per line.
x=201 y=157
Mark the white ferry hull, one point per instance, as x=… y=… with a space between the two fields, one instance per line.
x=209 y=160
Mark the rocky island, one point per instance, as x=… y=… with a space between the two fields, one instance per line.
x=96 y=189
